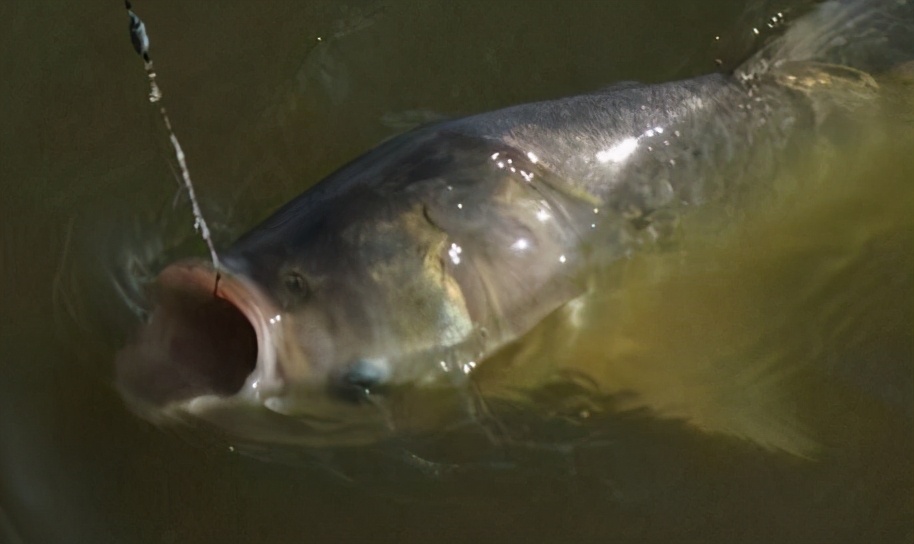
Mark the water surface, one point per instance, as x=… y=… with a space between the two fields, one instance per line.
x=757 y=380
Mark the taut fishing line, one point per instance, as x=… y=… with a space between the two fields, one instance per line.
x=140 y=41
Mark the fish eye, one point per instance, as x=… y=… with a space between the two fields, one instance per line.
x=361 y=378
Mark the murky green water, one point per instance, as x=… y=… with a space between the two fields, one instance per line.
x=760 y=377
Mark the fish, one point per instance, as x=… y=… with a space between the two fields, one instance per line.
x=410 y=266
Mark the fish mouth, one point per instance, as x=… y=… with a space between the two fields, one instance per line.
x=209 y=338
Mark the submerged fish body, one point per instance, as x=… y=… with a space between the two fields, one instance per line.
x=416 y=261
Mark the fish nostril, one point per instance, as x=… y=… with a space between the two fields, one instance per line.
x=295 y=282
x=361 y=378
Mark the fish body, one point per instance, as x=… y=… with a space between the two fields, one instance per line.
x=412 y=264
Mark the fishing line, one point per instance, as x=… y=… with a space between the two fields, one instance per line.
x=140 y=40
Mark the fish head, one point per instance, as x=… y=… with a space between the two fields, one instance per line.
x=354 y=291
x=364 y=297
x=315 y=325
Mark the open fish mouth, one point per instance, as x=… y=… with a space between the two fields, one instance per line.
x=211 y=355
x=206 y=340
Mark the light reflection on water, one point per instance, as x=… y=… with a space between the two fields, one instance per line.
x=794 y=331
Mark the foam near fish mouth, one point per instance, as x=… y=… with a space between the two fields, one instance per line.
x=204 y=341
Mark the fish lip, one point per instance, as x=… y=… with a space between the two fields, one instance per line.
x=261 y=312
x=194 y=278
